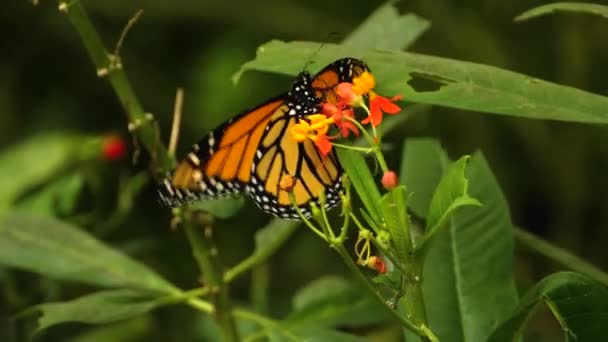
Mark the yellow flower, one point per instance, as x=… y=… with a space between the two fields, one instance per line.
x=320 y=123
x=364 y=83
x=299 y=131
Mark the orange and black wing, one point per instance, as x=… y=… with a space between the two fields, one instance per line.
x=343 y=70
x=220 y=164
x=279 y=155
x=255 y=150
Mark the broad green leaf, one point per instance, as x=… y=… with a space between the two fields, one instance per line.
x=31 y=162
x=453 y=83
x=579 y=303
x=97 y=308
x=394 y=210
x=222 y=207
x=581 y=7
x=332 y=301
x=451 y=194
x=267 y=241
x=59 y=250
x=422 y=164
x=387 y=29
x=362 y=180
x=468 y=271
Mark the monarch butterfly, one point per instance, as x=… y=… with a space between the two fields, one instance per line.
x=254 y=150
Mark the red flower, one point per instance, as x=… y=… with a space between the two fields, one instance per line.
x=341 y=115
x=389 y=180
x=113 y=147
x=323 y=144
x=379 y=104
x=347 y=94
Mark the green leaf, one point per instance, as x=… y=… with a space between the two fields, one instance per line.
x=31 y=162
x=394 y=210
x=59 y=250
x=97 y=308
x=222 y=207
x=449 y=82
x=422 y=164
x=387 y=29
x=362 y=180
x=579 y=303
x=267 y=241
x=129 y=330
x=319 y=290
x=333 y=301
x=59 y=197
x=451 y=194
x=468 y=270
x=581 y=7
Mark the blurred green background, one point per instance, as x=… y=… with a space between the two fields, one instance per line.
x=554 y=174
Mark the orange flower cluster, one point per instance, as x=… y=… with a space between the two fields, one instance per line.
x=342 y=116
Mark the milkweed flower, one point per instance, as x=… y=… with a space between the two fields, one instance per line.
x=352 y=94
x=341 y=117
x=379 y=105
x=316 y=130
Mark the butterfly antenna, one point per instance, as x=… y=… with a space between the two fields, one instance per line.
x=310 y=60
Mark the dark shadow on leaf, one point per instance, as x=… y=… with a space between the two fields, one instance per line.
x=422 y=82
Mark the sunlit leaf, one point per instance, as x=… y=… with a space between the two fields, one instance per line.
x=468 y=271
x=385 y=28
x=579 y=304
x=580 y=7
x=447 y=82
x=450 y=194
x=57 y=249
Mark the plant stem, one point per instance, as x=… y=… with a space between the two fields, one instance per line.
x=545 y=248
x=206 y=255
x=355 y=269
x=108 y=66
x=413 y=301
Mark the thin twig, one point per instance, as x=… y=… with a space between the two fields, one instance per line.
x=177 y=118
x=125 y=31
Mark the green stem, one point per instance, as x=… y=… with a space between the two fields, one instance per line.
x=413 y=301
x=206 y=255
x=374 y=143
x=368 y=285
x=542 y=247
x=117 y=77
x=109 y=66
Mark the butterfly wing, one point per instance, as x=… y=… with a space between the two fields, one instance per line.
x=220 y=164
x=279 y=155
x=254 y=150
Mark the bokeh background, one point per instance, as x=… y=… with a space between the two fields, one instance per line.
x=553 y=174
